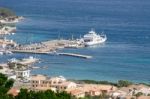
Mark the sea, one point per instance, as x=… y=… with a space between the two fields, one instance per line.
x=124 y=56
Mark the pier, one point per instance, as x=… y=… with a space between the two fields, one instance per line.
x=50 y=47
x=32 y=52
x=75 y=55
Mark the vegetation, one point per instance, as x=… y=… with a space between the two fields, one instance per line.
x=97 y=82
x=5 y=85
x=139 y=94
x=120 y=83
x=145 y=84
x=102 y=96
x=124 y=83
x=5 y=12
x=25 y=94
x=1 y=67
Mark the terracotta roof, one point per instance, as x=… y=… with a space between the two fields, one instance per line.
x=13 y=91
x=67 y=83
x=76 y=92
x=38 y=77
x=144 y=97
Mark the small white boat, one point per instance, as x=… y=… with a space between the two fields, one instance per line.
x=92 y=38
x=1 y=53
x=8 y=52
x=13 y=33
x=13 y=60
x=31 y=58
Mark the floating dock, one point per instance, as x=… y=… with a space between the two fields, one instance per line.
x=75 y=55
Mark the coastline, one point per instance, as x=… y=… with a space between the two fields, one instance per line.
x=109 y=82
x=20 y=71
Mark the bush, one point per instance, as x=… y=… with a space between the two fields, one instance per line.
x=1 y=67
x=123 y=83
x=97 y=82
x=5 y=12
x=139 y=94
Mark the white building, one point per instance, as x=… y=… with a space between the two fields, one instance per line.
x=65 y=85
x=24 y=73
x=57 y=80
x=12 y=76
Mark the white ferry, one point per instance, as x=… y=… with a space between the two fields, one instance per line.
x=92 y=38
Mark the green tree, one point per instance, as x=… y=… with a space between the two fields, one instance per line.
x=139 y=94
x=5 y=85
x=9 y=83
x=3 y=79
x=123 y=83
x=5 y=12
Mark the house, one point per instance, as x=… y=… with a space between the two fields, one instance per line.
x=144 y=97
x=42 y=82
x=11 y=76
x=39 y=82
x=77 y=93
x=65 y=85
x=22 y=73
x=94 y=92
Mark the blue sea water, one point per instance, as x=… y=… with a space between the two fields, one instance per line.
x=125 y=55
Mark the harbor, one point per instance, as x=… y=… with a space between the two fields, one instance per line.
x=51 y=47
x=47 y=47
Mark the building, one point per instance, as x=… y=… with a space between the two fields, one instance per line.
x=23 y=73
x=65 y=85
x=39 y=82
x=93 y=92
x=11 y=76
x=57 y=80
x=42 y=82
x=77 y=93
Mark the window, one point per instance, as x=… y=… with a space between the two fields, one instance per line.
x=65 y=87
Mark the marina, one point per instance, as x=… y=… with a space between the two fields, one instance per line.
x=50 y=47
x=24 y=61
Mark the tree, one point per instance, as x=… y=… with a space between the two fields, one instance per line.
x=3 y=79
x=5 y=85
x=5 y=12
x=123 y=83
x=139 y=94
x=48 y=94
x=9 y=83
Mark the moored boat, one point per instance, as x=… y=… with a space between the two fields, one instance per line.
x=92 y=38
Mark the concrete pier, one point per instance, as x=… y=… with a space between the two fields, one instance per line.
x=50 y=47
x=32 y=52
x=75 y=55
